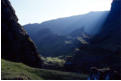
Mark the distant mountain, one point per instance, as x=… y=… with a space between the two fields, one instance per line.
x=63 y=26
x=104 y=49
x=61 y=37
x=16 y=44
x=51 y=44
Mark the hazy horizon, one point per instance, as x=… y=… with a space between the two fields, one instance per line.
x=30 y=11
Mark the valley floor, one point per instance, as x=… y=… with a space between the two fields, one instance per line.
x=19 y=71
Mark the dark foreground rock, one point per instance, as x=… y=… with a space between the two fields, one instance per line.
x=16 y=44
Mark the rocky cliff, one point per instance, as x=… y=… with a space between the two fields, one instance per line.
x=111 y=29
x=16 y=44
x=104 y=49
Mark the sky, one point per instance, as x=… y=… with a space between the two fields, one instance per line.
x=37 y=11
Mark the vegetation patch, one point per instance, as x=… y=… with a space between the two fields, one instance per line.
x=19 y=71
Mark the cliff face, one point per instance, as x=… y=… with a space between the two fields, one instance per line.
x=105 y=47
x=111 y=30
x=16 y=44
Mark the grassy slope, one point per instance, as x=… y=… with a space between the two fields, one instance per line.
x=12 y=70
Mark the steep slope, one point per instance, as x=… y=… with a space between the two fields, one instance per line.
x=111 y=30
x=19 y=71
x=51 y=44
x=104 y=49
x=16 y=44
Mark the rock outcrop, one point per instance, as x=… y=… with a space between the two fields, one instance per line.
x=16 y=44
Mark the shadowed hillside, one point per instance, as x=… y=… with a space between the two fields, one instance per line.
x=60 y=37
x=104 y=49
x=16 y=44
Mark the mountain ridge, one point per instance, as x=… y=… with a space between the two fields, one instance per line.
x=71 y=23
